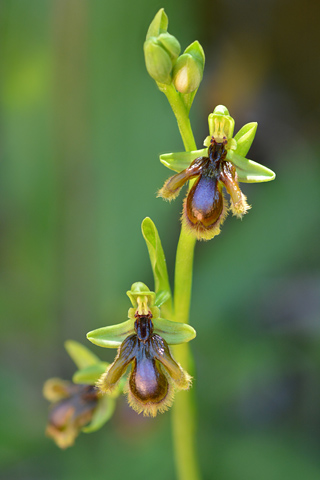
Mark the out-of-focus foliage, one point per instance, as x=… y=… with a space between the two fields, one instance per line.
x=77 y=108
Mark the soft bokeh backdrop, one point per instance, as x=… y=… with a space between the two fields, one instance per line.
x=82 y=126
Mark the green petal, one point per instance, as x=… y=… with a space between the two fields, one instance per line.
x=249 y=171
x=111 y=336
x=181 y=160
x=102 y=414
x=173 y=332
x=90 y=375
x=195 y=49
x=80 y=354
x=245 y=138
x=158 y=261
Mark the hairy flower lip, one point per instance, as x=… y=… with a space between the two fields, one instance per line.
x=153 y=374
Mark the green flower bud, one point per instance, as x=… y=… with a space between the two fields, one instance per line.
x=158 y=61
x=188 y=70
x=186 y=74
x=221 y=124
x=160 y=49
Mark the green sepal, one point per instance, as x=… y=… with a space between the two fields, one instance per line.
x=249 y=171
x=102 y=414
x=195 y=49
x=111 y=336
x=158 y=25
x=173 y=332
x=80 y=354
x=161 y=297
x=181 y=160
x=90 y=375
x=245 y=137
x=158 y=261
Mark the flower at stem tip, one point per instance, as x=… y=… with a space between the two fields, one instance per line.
x=143 y=343
x=222 y=164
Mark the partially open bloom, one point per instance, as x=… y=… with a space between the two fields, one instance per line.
x=221 y=164
x=143 y=342
x=77 y=406
x=72 y=409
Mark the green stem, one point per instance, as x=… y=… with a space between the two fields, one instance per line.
x=183 y=418
x=182 y=115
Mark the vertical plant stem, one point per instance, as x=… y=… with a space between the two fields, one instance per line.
x=183 y=414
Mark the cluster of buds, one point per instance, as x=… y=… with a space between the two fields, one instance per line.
x=142 y=342
x=164 y=62
x=221 y=164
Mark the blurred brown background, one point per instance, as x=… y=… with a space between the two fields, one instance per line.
x=82 y=126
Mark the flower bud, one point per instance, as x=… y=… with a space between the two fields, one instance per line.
x=160 y=49
x=221 y=124
x=186 y=74
x=158 y=62
x=188 y=70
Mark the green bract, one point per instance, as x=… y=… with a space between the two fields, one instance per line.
x=222 y=124
x=159 y=266
x=114 y=335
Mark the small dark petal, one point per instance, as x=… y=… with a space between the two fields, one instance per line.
x=173 y=185
x=126 y=353
x=228 y=176
x=161 y=352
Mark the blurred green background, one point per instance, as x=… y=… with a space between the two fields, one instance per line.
x=82 y=126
